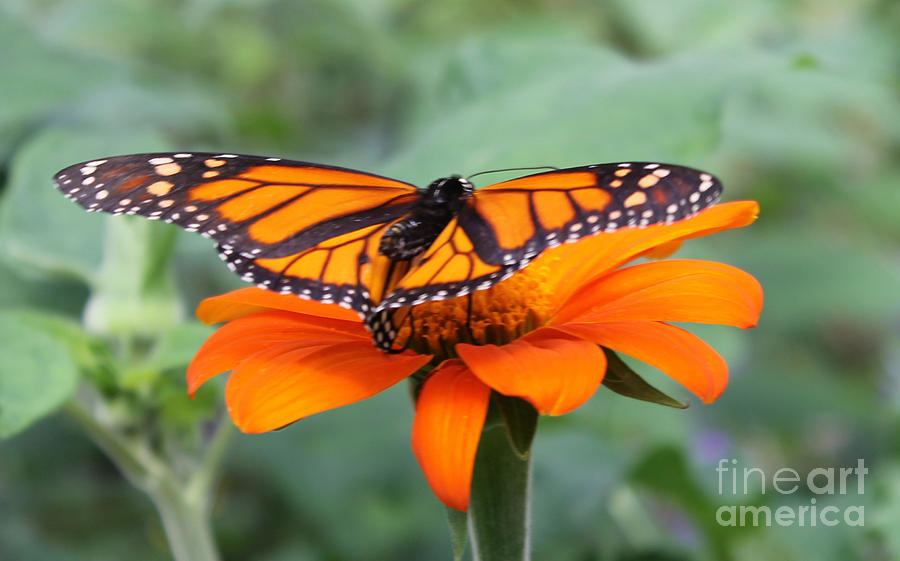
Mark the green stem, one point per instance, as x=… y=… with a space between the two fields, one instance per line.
x=499 y=505
x=182 y=506
x=185 y=518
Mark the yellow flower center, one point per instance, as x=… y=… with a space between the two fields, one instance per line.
x=497 y=315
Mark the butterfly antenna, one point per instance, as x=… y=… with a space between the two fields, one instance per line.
x=511 y=169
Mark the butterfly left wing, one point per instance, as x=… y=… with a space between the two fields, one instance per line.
x=291 y=227
x=256 y=206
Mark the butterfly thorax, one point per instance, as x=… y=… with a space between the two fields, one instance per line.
x=437 y=205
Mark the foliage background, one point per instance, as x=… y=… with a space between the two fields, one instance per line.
x=792 y=103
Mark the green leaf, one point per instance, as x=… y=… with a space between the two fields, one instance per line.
x=459 y=531
x=38 y=226
x=499 y=503
x=135 y=291
x=521 y=422
x=621 y=379
x=176 y=347
x=36 y=374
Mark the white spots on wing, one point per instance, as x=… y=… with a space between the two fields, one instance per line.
x=88 y=180
x=694 y=197
x=661 y=172
x=159 y=161
x=168 y=169
x=96 y=163
x=624 y=165
x=273 y=159
x=160 y=188
x=648 y=181
x=635 y=199
x=705 y=185
x=672 y=209
x=87 y=170
x=651 y=166
x=101 y=194
x=166 y=203
x=182 y=155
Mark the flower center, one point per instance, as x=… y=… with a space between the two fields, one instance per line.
x=496 y=315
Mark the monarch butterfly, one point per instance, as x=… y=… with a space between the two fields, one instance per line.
x=375 y=244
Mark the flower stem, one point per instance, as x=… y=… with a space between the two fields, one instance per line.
x=185 y=520
x=182 y=503
x=499 y=505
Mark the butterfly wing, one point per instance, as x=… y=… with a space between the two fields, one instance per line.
x=514 y=221
x=501 y=228
x=291 y=227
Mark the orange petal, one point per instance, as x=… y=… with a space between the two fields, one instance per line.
x=572 y=266
x=286 y=382
x=681 y=355
x=235 y=341
x=674 y=290
x=450 y=414
x=246 y=301
x=553 y=371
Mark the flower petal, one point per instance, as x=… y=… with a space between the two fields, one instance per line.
x=289 y=381
x=235 y=341
x=246 y=301
x=678 y=353
x=450 y=414
x=675 y=290
x=553 y=371
x=574 y=265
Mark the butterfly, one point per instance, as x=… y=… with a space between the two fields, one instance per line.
x=374 y=244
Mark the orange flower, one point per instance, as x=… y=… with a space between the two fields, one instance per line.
x=290 y=358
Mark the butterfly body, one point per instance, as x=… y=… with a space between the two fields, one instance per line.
x=373 y=244
x=436 y=206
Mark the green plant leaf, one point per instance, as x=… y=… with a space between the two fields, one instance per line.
x=621 y=379
x=459 y=531
x=521 y=421
x=37 y=374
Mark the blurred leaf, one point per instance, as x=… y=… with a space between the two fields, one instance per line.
x=36 y=374
x=38 y=226
x=176 y=347
x=521 y=420
x=621 y=379
x=134 y=293
x=459 y=531
x=578 y=106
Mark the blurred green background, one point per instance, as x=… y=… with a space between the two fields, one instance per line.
x=795 y=104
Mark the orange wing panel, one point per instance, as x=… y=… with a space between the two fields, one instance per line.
x=318 y=176
x=508 y=214
x=553 y=209
x=561 y=180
